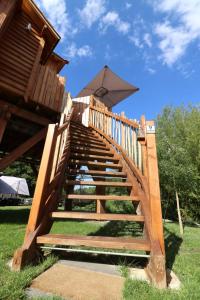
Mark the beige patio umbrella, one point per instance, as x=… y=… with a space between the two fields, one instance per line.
x=108 y=87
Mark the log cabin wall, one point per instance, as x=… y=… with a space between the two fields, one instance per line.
x=49 y=87
x=28 y=68
x=18 y=52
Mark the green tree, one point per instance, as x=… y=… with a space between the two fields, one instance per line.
x=178 y=146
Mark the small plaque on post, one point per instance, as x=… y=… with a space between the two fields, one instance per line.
x=151 y=129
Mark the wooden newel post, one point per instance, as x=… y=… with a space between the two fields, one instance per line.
x=156 y=267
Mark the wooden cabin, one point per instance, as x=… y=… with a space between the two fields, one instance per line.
x=31 y=89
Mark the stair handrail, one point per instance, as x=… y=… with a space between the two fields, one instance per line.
x=123 y=131
x=147 y=172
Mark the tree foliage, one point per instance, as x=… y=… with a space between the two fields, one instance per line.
x=178 y=146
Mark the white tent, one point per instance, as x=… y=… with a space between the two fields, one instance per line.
x=13 y=185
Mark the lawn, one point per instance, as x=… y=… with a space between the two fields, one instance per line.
x=182 y=255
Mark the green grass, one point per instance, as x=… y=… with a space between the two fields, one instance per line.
x=182 y=256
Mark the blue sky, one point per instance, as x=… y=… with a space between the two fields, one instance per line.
x=153 y=44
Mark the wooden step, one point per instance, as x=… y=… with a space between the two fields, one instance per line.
x=103 y=197
x=80 y=149
x=88 y=145
x=125 y=243
x=96 y=216
x=99 y=183
x=97 y=173
x=83 y=134
x=93 y=157
x=79 y=126
x=94 y=164
x=88 y=141
x=85 y=138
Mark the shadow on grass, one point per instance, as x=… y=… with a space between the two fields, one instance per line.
x=14 y=215
x=172 y=246
x=120 y=228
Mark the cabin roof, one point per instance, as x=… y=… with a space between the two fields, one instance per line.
x=61 y=62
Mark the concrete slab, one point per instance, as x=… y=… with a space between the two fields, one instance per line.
x=80 y=283
x=78 y=280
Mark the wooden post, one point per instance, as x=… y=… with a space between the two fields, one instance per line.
x=154 y=186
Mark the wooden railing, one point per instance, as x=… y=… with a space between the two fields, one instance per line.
x=48 y=187
x=123 y=131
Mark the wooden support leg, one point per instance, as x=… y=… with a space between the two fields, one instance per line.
x=100 y=205
x=156 y=270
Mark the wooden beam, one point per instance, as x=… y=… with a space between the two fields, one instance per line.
x=25 y=114
x=19 y=151
x=154 y=187
x=4 y=117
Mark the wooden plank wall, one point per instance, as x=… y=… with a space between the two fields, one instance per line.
x=17 y=54
x=21 y=73
x=49 y=87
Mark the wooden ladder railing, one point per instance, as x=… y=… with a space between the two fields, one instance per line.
x=48 y=188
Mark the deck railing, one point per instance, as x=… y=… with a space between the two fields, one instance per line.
x=123 y=131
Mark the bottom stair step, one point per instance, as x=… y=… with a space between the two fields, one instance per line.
x=96 y=216
x=125 y=243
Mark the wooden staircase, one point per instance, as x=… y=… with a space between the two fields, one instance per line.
x=109 y=161
x=76 y=156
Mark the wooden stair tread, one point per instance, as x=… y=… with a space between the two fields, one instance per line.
x=96 y=216
x=92 y=151
x=88 y=145
x=97 y=157
x=83 y=134
x=103 y=197
x=90 y=141
x=95 y=241
x=97 y=173
x=85 y=138
x=102 y=183
x=92 y=163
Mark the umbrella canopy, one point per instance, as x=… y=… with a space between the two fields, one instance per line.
x=13 y=185
x=108 y=88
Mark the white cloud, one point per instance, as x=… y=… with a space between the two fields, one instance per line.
x=136 y=41
x=56 y=13
x=151 y=70
x=128 y=5
x=175 y=39
x=112 y=18
x=92 y=11
x=147 y=40
x=174 y=42
x=73 y=51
